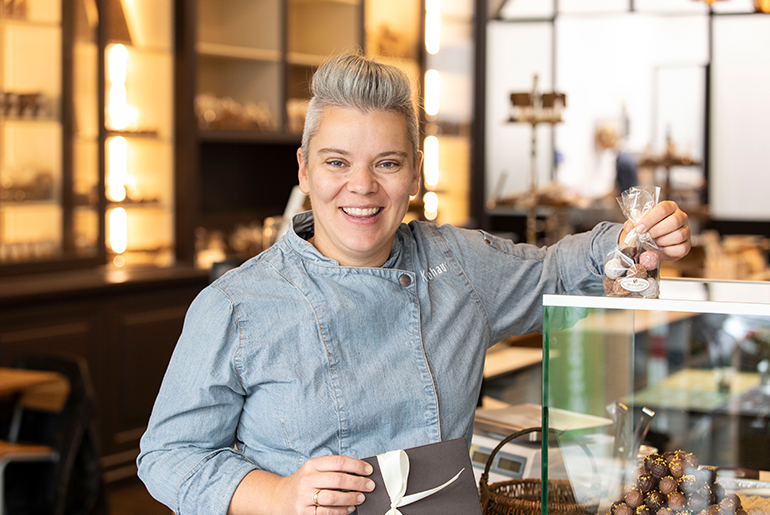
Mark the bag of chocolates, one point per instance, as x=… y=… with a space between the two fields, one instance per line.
x=631 y=268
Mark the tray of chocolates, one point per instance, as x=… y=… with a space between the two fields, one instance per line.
x=674 y=483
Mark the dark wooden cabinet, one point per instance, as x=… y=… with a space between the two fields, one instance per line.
x=125 y=323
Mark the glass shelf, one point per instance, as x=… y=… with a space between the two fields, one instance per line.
x=689 y=371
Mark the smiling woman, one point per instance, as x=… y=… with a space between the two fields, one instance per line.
x=359 y=175
x=355 y=334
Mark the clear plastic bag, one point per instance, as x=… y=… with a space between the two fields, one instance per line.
x=632 y=268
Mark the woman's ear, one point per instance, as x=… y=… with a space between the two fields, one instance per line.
x=417 y=175
x=302 y=173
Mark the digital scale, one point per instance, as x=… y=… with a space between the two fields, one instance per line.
x=521 y=458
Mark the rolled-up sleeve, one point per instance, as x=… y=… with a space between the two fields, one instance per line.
x=188 y=460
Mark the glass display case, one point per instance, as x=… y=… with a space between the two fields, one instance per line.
x=688 y=372
x=40 y=217
x=139 y=139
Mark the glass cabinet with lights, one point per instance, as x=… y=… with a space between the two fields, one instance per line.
x=86 y=133
x=47 y=49
x=139 y=133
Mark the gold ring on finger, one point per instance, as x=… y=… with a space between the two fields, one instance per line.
x=315 y=500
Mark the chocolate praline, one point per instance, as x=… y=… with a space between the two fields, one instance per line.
x=727 y=505
x=634 y=498
x=655 y=500
x=637 y=270
x=719 y=492
x=691 y=460
x=714 y=509
x=659 y=468
x=676 y=501
x=676 y=466
x=665 y=511
x=643 y=510
x=735 y=499
x=618 y=290
x=688 y=484
x=649 y=459
x=667 y=485
x=708 y=474
x=645 y=483
x=623 y=509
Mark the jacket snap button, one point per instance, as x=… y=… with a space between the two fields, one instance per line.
x=486 y=240
x=404 y=280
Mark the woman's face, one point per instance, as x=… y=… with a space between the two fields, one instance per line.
x=359 y=176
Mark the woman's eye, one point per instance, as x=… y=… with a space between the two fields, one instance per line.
x=389 y=165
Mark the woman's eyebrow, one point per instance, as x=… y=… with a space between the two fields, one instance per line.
x=333 y=151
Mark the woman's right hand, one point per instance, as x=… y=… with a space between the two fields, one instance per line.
x=329 y=485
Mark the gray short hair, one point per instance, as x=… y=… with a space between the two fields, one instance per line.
x=351 y=80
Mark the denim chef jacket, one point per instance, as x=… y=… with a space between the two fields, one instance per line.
x=291 y=356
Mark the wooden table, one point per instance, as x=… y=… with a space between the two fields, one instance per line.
x=35 y=389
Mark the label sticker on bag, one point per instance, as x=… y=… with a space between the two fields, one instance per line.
x=634 y=284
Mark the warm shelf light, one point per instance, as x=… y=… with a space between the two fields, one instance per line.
x=430 y=201
x=432 y=92
x=433 y=26
x=120 y=114
x=431 y=161
x=117 y=169
x=118 y=230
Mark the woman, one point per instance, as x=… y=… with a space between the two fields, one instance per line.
x=355 y=334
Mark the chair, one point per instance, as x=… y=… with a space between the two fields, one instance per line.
x=51 y=461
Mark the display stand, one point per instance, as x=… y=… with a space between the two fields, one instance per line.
x=534 y=108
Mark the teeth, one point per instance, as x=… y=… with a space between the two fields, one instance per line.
x=355 y=211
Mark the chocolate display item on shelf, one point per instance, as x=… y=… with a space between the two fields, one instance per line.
x=656 y=490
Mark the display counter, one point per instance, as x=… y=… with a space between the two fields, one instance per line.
x=686 y=372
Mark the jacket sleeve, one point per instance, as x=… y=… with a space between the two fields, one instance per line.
x=511 y=279
x=188 y=458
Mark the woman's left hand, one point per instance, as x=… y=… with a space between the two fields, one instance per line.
x=668 y=226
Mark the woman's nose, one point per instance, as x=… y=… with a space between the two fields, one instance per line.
x=362 y=180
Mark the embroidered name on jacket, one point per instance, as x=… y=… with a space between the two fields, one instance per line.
x=432 y=273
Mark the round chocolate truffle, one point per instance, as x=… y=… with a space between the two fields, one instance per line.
x=667 y=485
x=714 y=509
x=688 y=484
x=676 y=501
x=708 y=474
x=727 y=505
x=645 y=483
x=637 y=270
x=634 y=498
x=609 y=285
x=659 y=468
x=653 y=289
x=655 y=500
x=615 y=268
x=623 y=509
x=719 y=492
x=614 y=506
x=676 y=467
x=649 y=260
x=690 y=460
x=668 y=455
x=618 y=290
x=643 y=510
x=665 y=511
x=649 y=459
x=735 y=499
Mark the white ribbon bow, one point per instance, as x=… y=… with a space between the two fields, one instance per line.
x=394 y=467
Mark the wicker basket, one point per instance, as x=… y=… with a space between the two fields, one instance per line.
x=522 y=496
